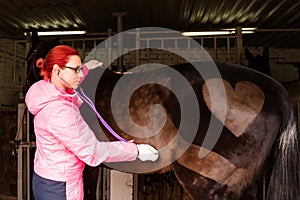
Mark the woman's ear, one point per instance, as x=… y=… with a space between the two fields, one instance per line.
x=39 y=62
x=56 y=69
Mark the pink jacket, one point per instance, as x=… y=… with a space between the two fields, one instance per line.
x=63 y=139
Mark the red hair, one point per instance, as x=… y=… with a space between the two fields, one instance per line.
x=58 y=55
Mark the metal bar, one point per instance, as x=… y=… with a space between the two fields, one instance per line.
x=148 y=51
x=163 y=52
x=4 y=64
x=21 y=109
x=135 y=186
x=109 y=47
x=228 y=49
x=239 y=45
x=15 y=63
x=298 y=112
x=86 y=39
x=27 y=144
x=176 y=47
x=106 y=184
x=99 y=183
x=28 y=155
x=137 y=46
x=189 y=48
x=27 y=49
x=9 y=86
x=119 y=16
x=83 y=47
x=180 y=38
x=215 y=48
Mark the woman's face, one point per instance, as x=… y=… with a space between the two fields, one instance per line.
x=71 y=73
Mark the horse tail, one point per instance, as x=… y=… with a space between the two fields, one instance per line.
x=284 y=180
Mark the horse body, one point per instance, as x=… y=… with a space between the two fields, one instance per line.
x=236 y=161
x=259 y=135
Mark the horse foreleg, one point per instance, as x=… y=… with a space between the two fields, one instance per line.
x=198 y=186
x=90 y=176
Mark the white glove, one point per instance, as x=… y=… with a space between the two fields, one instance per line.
x=92 y=64
x=147 y=152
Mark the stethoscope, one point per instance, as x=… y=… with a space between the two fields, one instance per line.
x=85 y=98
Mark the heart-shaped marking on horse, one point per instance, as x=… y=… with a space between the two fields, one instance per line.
x=236 y=108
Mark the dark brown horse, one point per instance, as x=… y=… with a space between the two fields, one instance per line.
x=258 y=136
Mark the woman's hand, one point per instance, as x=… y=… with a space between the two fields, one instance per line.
x=147 y=152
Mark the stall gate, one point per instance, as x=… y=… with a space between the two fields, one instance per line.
x=12 y=70
x=220 y=48
x=12 y=76
x=8 y=159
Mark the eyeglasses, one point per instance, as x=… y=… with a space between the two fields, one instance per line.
x=77 y=70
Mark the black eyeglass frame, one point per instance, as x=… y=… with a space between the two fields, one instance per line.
x=77 y=70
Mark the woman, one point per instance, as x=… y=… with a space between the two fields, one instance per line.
x=63 y=139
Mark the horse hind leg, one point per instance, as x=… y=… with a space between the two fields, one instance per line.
x=210 y=176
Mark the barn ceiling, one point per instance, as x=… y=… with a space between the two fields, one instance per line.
x=278 y=21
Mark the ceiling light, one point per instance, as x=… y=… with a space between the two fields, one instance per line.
x=243 y=29
x=219 y=32
x=48 y=33
x=203 y=33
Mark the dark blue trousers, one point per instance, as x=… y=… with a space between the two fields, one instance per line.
x=45 y=189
